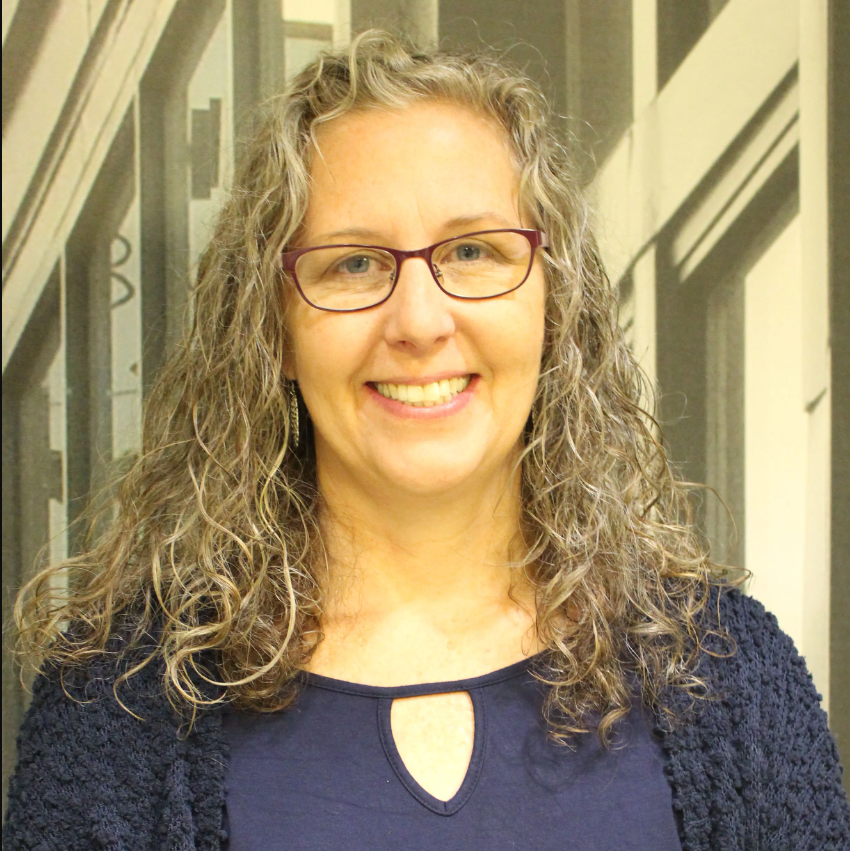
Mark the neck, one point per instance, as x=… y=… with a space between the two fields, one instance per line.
x=429 y=577
x=388 y=548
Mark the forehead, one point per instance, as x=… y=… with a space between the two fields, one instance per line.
x=431 y=159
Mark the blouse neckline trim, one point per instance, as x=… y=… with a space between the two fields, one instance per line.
x=418 y=689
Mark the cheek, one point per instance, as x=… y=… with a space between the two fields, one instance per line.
x=529 y=327
x=318 y=363
x=308 y=335
x=329 y=352
x=513 y=345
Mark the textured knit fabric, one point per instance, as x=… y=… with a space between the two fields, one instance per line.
x=755 y=769
x=332 y=758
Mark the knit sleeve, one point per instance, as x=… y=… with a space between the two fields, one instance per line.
x=50 y=790
x=794 y=775
x=92 y=775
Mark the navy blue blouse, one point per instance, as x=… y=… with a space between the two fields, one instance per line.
x=325 y=775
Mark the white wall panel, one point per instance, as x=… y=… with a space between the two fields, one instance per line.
x=776 y=427
x=744 y=55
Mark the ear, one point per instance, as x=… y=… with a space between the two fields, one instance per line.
x=289 y=365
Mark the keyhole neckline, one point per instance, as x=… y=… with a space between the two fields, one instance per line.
x=473 y=771
x=384 y=697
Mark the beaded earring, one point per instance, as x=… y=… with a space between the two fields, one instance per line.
x=293 y=416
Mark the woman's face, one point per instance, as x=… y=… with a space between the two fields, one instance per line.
x=406 y=179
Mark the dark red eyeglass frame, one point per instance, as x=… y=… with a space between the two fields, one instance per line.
x=536 y=238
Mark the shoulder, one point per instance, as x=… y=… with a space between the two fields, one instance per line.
x=101 y=758
x=753 y=670
x=747 y=653
x=757 y=639
x=747 y=620
x=755 y=766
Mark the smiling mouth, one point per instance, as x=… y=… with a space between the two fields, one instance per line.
x=424 y=395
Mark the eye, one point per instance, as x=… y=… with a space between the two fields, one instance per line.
x=358 y=264
x=468 y=251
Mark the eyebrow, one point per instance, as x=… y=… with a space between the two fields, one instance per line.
x=451 y=224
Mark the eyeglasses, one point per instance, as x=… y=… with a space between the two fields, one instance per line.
x=475 y=266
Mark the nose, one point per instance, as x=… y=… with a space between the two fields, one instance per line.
x=420 y=313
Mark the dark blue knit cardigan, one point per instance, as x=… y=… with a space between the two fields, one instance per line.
x=756 y=769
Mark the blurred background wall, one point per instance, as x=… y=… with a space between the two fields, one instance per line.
x=713 y=142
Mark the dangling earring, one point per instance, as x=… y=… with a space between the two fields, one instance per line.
x=293 y=415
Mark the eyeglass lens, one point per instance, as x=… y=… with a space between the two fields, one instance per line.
x=352 y=278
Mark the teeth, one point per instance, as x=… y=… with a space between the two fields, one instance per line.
x=425 y=395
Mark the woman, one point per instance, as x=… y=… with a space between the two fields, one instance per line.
x=403 y=564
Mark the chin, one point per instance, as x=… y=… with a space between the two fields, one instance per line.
x=429 y=483
x=431 y=473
